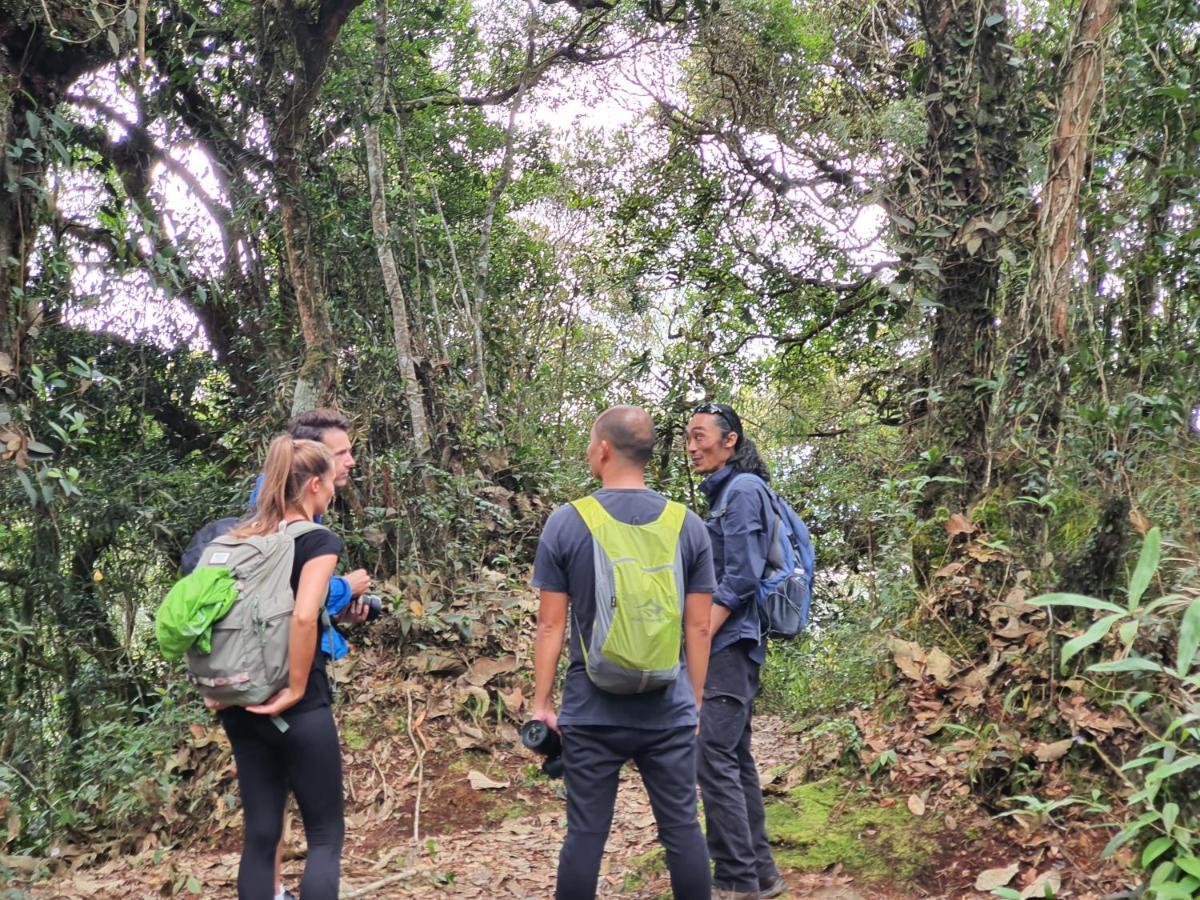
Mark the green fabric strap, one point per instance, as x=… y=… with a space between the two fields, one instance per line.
x=621 y=541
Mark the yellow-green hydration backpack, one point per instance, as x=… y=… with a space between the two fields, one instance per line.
x=637 y=629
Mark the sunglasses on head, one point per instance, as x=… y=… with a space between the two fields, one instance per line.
x=716 y=409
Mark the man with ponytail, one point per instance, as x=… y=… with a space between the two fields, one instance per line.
x=739 y=524
x=303 y=754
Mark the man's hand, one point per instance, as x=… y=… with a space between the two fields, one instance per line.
x=355 y=613
x=547 y=715
x=359 y=582
x=216 y=705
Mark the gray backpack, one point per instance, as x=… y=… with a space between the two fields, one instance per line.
x=249 y=659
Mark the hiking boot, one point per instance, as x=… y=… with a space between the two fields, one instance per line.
x=772 y=887
x=726 y=894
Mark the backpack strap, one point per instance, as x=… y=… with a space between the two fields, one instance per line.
x=593 y=513
x=722 y=505
x=595 y=516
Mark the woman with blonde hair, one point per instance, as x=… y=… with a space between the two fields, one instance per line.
x=298 y=484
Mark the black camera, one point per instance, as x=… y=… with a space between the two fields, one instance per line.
x=544 y=740
x=374 y=606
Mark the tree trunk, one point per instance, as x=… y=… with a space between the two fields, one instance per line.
x=297 y=40
x=318 y=372
x=960 y=187
x=18 y=219
x=1049 y=318
x=376 y=166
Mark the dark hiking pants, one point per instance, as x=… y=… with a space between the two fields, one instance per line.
x=666 y=759
x=735 y=820
x=307 y=759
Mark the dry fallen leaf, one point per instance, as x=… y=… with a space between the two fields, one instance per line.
x=1037 y=888
x=990 y=879
x=916 y=805
x=1051 y=752
x=481 y=782
x=939 y=665
x=484 y=670
x=910 y=659
x=959 y=524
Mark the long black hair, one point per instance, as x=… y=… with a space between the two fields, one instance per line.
x=745 y=455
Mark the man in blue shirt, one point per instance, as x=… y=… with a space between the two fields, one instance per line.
x=739 y=522
x=601 y=730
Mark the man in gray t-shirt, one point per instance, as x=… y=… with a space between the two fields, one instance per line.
x=601 y=731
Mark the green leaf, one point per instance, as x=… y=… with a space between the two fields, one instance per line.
x=1132 y=664
x=1172 y=891
x=1162 y=773
x=1146 y=565
x=28 y=486
x=1076 y=600
x=1189 y=864
x=33 y=123
x=993 y=20
x=1189 y=638
x=1155 y=849
x=39 y=447
x=1098 y=631
x=1170 y=812
x=193 y=885
x=1128 y=631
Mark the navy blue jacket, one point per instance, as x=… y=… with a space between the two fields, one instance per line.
x=740 y=533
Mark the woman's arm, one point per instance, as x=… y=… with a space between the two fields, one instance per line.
x=302 y=641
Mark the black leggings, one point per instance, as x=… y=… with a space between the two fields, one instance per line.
x=307 y=759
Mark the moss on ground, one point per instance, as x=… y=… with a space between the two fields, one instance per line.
x=354 y=738
x=823 y=823
x=503 y=812
x=644 y=868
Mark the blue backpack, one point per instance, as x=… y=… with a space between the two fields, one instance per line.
x=785 y=589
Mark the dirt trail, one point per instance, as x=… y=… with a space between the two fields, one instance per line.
x=485 y=843
x=490 y=827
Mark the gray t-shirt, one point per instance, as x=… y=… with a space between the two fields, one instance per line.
x=564 y=563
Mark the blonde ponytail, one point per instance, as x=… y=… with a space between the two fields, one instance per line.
x=289 y=467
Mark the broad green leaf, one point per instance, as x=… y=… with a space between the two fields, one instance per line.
x=1189 y=638
x=1098 y=631
x=1170 y=812
x=1146 y=565
x=1189 y=864
x=1155 y=849
x=1076 y=600
x=1172 y=891
x=1133 y=664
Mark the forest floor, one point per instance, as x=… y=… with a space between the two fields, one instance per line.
x=443 y=801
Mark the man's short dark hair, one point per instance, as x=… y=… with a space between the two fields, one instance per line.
x=630 y=431
x=312 y=425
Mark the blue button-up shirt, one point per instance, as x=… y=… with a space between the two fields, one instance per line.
x=740 y=537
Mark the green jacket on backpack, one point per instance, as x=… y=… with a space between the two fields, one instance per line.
x=188 y=612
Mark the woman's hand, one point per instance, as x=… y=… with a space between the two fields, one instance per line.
x=285 y=699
